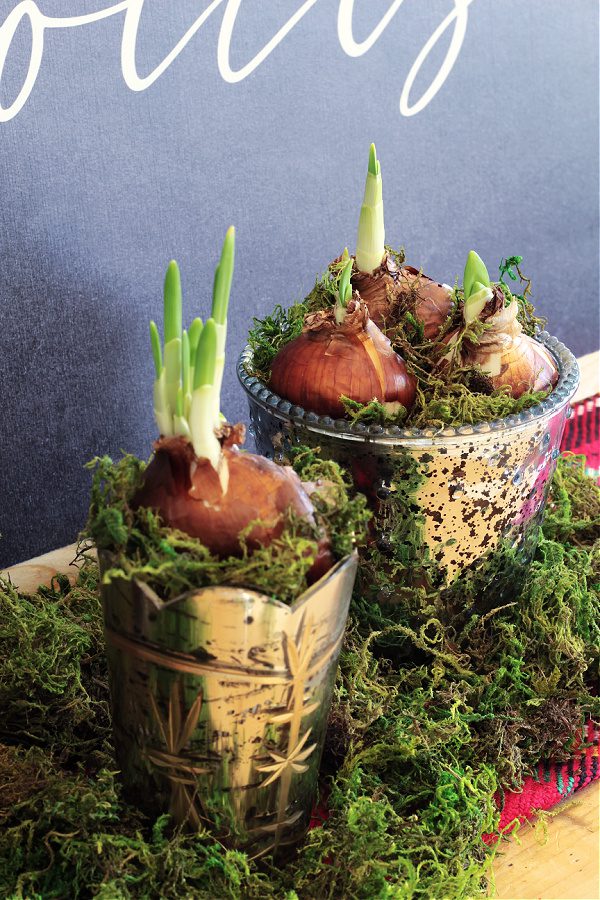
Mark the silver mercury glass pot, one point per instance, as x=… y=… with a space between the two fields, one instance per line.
x=467 y=492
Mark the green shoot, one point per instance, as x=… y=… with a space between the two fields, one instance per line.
x=162 y=411
x=221 y=292
x=206 y=356
x=195 y=331
x=202 y=425
x=370 y=244
x=172 y=303
x=475 y=272
x=180 y=423
x=185 y=363
x=374 y=167
x=344 y=292
x=172 y=326
x=476 y=286
x=223 y=277
x=156 y=348
x=345 y=288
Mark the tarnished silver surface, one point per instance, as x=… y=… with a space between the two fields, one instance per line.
x=220 y=700
x=480 y=486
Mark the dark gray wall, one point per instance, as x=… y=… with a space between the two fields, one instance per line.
x=102 y=185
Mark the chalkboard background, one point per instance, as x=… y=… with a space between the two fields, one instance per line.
x=102 y=185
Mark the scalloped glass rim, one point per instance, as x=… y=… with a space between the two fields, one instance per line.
x=568 y=381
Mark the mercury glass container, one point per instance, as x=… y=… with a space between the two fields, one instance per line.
x=466 y=492
x=220 y=699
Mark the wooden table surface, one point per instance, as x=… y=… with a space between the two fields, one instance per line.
x=565 y=865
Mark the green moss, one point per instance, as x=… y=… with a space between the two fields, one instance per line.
x=438 y=704
x=343 y=512
x=269 y=335
x=52 y=672
x=443 y=403
x=573 y=509
x=372 y=413
x=171 y=562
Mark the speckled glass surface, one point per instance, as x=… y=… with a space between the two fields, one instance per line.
x=480 y=486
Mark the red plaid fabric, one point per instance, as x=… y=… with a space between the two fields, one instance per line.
x=551 y=783
x=582 y=433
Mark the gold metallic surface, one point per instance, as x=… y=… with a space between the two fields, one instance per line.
x=220 y=701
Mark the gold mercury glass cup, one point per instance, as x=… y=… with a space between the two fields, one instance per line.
x=467 y=492
x=220 y=699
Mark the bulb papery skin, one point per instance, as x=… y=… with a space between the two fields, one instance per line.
x=391 y=290
x=187 y=493
x=507 y=356
x=428 y=300
x=328 y=360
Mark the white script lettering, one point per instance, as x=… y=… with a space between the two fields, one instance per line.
x=27 y=11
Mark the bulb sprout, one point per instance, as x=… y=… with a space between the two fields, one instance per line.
x=206 y=356
x=373 y=162
x=194 y=333
x=475 y=271
x=172 y=303
x=156 y=349
x=370 y=244
x=223 y=278
x=345 y=288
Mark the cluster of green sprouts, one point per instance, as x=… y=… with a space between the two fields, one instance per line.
x=370 y=243
x=189 y=370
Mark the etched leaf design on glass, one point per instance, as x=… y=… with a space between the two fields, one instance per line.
x=282 y=765
x=294 y=761
x=180 y=770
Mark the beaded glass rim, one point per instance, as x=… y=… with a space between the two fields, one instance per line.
x=280 y=408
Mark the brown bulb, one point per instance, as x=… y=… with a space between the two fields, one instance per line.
x=390 y=291
x=189 y=495
x=429 y=301
x=353 y=359
x=507 y=356
x=381 y=291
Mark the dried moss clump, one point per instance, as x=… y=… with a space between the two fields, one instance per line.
x=436 y=708
x=53 y=689
x=446 y=396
